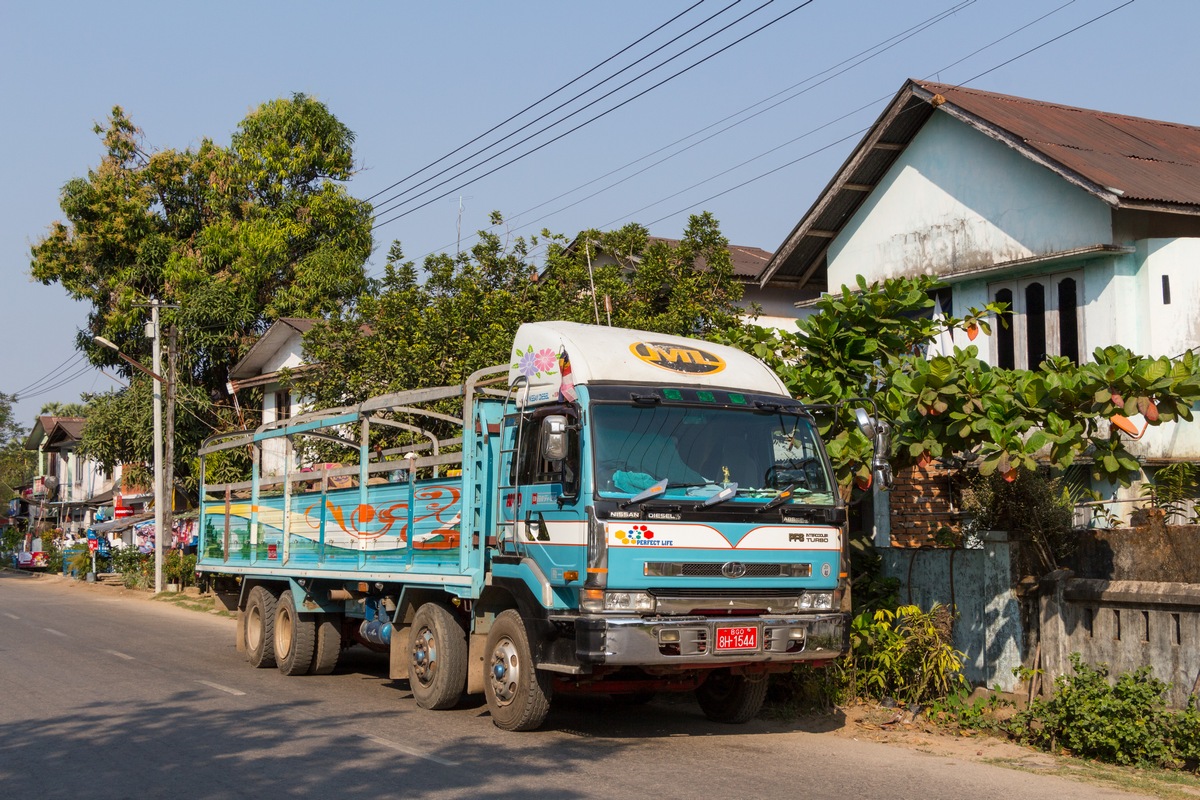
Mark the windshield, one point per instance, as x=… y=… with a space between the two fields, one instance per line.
x=699 y=451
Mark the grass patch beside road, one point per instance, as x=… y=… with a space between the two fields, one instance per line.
x=191 y=602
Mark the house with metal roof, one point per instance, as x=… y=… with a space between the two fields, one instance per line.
x=280 y=347
x=1086 y=223
x=68 y=489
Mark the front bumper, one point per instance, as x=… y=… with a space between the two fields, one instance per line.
x=692 y=640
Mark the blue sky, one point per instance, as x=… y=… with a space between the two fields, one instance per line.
x=415 y=81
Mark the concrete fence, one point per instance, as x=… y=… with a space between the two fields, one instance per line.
x=1130 y=598
x=1124 y=624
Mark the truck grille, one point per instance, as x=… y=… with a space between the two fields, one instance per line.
x=675 y=600
x=712 y=569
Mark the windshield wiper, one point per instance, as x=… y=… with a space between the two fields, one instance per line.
x=650 y=491
x=728 y=493
x=778 y=500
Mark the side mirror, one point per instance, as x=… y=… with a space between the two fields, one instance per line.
x=879 y=432
x=865 y=423
x=554 y=437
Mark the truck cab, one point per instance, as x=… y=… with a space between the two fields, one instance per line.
x=673 y=509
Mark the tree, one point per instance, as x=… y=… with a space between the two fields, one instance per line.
x=405 y=334
x=230 y=238
x=16 y=463
x=872 y=342
x=686 y=289
x=56 y=409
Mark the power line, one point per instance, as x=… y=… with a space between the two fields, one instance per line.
x=382 y=206
x=827 y=124
x=47 y=389
x=863 y=56
x=864 y=130
x=853 y=61
x=574 y=80
x=49 y=376
x=596 y=117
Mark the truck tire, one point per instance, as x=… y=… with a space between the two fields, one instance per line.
x=260 y=627
x=437 y=667
x=729 y=698
x=329 y=644
x=518 y=695
x=295 y=637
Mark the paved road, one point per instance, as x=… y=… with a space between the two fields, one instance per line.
x=109 y=696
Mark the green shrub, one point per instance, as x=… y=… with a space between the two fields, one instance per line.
x=905 y=655
x=137 y=569
x=54 y=555
x=1184 y=736
x=1126 y=722
x=78 y=560
x=179 y=568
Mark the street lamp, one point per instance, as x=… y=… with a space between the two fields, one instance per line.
x=159 y=489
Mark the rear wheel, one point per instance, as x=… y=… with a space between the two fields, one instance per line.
x=260 y=627
x=295 y=637
x=725 y=697
x=518 y=696
x=437 y=668
x=329 y=644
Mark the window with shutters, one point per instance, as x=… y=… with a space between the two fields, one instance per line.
x=283 y=405
x=1044 y=318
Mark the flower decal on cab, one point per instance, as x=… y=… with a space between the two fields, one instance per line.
x=535 y=365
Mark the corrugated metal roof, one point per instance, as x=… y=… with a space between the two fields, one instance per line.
x=252 y=363
x=1147 y=160
x=1128 y=162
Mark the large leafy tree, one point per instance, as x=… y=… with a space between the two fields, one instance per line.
x=409 y=333
x=872 y=342
x=16 y=463
x=229 y=238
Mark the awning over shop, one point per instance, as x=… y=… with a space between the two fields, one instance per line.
x=103 y=499
x=119 y=525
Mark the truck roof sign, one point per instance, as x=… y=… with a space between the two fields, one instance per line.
x=553 y=357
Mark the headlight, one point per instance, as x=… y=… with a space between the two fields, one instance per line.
x=635 y=602
x=821 y=601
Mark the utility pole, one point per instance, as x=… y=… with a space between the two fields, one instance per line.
x=169 y=465
x=162 y=515
x=159 y=499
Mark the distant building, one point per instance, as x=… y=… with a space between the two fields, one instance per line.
x=68 y=490
x=281 y=347
x=778 y=298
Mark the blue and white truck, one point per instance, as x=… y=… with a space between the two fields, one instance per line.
x=614 y=511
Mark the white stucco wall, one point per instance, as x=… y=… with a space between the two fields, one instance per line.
x=290 y=354
x=1173 y=328
x=957 y=200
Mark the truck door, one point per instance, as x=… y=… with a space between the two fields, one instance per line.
x=540 y=507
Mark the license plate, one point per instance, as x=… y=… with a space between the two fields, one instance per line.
x=739 y=638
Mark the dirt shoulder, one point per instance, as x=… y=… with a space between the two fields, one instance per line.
x=898 y=728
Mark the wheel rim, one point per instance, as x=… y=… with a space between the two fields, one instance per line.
x=424 y=656
x=284 y=632
x=504 y=673
x=254 y=628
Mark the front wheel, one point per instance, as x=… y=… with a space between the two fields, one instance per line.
x=437 y=667
x=518 y=696
x=729 y=698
